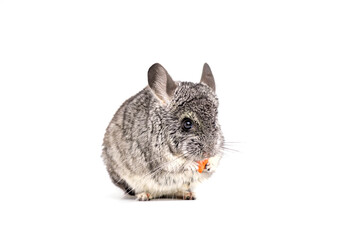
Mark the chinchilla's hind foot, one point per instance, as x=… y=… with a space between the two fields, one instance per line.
x=186 y=195
x=143 y=196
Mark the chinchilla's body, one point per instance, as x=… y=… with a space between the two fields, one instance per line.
x=154 y=141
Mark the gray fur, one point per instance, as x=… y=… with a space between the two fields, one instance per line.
x=147 y=151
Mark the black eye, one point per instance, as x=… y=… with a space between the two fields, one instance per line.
x=187 y=124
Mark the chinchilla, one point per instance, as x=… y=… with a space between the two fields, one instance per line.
x=155 y=140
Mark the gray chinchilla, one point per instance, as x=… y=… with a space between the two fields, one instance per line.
x=155 y=140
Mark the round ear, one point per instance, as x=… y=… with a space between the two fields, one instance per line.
x=161 y=83
x=207 y=77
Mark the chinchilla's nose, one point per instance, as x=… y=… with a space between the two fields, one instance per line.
x=206 y=155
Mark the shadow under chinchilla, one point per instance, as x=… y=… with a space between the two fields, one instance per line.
x=126 y=197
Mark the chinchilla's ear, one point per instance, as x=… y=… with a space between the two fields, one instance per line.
x=161 y=83
x=207 y=77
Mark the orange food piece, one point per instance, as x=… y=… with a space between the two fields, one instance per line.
x=202 y=165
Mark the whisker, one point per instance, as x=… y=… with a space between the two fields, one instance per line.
x=229 y=149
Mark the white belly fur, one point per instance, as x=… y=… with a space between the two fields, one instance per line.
x=171 y=181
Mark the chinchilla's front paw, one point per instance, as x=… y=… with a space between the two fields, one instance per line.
x=212 y=164
x=209 y=167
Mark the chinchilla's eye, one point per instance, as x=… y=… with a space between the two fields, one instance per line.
x=187 y=124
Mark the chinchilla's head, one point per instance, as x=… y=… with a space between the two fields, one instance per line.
x=189 y=112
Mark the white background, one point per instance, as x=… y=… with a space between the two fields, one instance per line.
x=287 y=76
